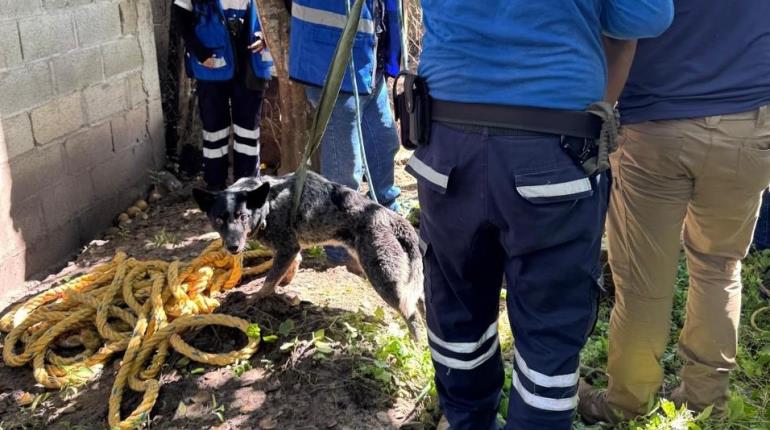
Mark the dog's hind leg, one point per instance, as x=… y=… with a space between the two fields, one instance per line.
x=283 y=262
x=387 y=267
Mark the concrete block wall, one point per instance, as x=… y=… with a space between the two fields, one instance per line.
x=80 y=125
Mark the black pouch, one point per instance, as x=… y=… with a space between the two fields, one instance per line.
x=412 y=110
x=580 y=150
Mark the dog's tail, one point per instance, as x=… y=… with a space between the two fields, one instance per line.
x=412 y=297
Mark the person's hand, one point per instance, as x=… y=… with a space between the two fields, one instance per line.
x=258 y=45
x=210 y=62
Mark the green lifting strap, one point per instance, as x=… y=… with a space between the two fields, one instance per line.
x=331 y=90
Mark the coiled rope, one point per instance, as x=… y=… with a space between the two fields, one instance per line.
x=139 y=307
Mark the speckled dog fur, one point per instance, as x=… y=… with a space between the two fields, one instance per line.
x=384 y=243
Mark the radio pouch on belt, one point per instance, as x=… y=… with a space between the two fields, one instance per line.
x=412 y=110
x=598 y=159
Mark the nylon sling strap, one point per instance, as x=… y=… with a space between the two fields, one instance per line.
x=331 y=90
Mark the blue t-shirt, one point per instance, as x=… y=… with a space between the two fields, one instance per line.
x=538 y=53
x=714 y=60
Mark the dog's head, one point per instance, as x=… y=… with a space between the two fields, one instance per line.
x=234 y=214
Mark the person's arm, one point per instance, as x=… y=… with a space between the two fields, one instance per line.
x=620 y=56
x=186 y=21
x=636 y=19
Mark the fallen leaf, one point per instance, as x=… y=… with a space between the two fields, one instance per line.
x=24 y=398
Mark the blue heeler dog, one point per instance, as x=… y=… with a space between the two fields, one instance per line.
x=384 y=243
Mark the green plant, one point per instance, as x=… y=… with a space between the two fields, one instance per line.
x=240 y=367
x=163 y=238
x=316 y=252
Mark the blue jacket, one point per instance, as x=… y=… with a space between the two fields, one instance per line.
x=316 y=27
x=211 y=30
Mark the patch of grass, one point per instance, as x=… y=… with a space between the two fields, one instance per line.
x=316 y=252
x=414 y=215
x=384 y=353
x=163 y=238
x=749 y=405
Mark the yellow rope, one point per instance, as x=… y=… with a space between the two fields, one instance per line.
x=130 y=306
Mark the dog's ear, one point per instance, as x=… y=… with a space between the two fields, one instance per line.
x=204 y=198
x=256 y=199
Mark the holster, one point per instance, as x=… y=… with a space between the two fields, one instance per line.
x=593 y=155
x=412 y=110
x=608 y=139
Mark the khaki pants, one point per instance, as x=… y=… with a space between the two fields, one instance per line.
x=708 y=174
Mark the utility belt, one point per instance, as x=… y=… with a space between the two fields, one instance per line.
x=587 y=137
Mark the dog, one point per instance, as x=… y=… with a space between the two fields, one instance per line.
x=385 y=245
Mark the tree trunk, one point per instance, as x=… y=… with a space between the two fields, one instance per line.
x=295 y=112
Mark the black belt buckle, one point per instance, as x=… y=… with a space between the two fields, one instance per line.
x=412 y=110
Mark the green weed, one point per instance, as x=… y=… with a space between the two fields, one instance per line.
x=749 y=406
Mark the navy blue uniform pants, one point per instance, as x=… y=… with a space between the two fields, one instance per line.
x=514 y=205
x=222 y=105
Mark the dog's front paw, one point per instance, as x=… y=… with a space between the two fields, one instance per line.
x=263 y=293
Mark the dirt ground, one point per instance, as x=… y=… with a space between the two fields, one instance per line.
x=277 y=389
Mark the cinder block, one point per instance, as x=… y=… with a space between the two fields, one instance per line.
x=121 y=56
x=144 y=157
x=130 y=129
x=34 y=170
x=65 y=198
x=58 y=246
x=77 y=70
x=98 y=217
x=116 y=174
x=128 y=16
x=24 y=87
x=27 y=217
x=60 y=4
x=58 y=118
x=16 y=8
x=11 y=239
x=97 y=23
x=10 y=45
x=156 y=126
x=17 y=131
x=12 y=274
x=88 y=149
x=46 y=35
x=136 y=94
x=103 y=101
x=151 y=81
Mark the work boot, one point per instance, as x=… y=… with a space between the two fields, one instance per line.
x=593 y=406
x=679 y=398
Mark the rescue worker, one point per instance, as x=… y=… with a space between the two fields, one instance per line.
x=316 y=26
x=227 y=56
x=695 y=153
x=510 y=81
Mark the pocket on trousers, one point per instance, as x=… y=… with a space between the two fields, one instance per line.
x=554 y=186
x=754 y=163
x=429 y=170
